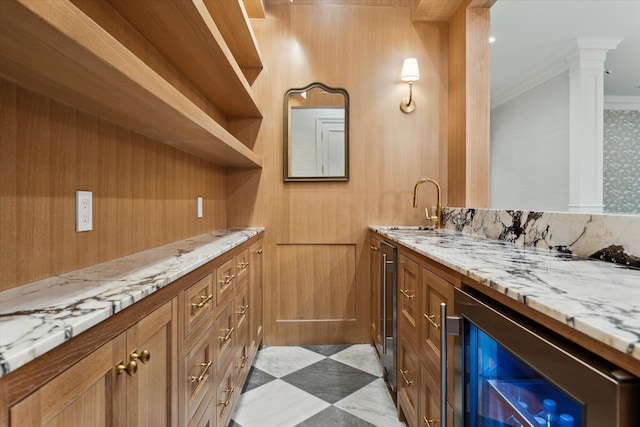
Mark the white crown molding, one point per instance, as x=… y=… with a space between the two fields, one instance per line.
x=622 y=103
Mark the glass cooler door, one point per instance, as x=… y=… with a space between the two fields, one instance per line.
x=504 y=391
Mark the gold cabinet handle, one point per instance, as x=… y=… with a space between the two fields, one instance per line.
x=227 y=280
x=243 y=361
x=431 y=320
x=373 y=248
x=130 y=368
x=205 y=368
x=228 y=333
x=431 y=422
x=407 y=294
x=243 y=265
x=243 y=310
x=225 y=403
x=144 y=356
x=204 y=299
x=259 y=251
x=404 y=373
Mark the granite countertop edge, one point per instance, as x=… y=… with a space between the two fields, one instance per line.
x=37 y=317
x=599 y=299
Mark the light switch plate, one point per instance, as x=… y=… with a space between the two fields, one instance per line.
x=199 y=213
x=84 y=211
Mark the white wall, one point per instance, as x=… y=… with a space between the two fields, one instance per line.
x=530 y=149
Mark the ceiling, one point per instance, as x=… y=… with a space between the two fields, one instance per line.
x=531 y=36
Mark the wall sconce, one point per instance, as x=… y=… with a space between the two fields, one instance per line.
x=410 y=73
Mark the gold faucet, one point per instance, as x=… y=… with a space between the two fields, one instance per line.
x=437 y=218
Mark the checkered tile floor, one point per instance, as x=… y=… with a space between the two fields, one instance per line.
x=316 y=386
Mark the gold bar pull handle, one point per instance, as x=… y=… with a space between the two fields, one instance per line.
x=144 y=356
x=227 y=280
x=203 y=373
x=373 y=248
x=204 y=299
x=404 y=373
x=243 y=310
x=431 y=422
x=259 y=251
x=243 y=361
x=431 y=318
x=228 y=333
x=407 y=294
x=243 y=265
x=225 y=403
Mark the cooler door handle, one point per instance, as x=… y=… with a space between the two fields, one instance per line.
x=448 y=326
x=384 y=303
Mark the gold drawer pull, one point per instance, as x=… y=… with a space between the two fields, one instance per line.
x=243 y=361
x=243 y=265
x=130 y=368
x=228 y=333
x=432 y=321
x=204 y=299
x=144 y=356
x=373 y=248
x=259 y=251
x=404 y=373
x=227 y=279
x=206 y=367
x=407 y=294
x=431 y=422
x=243 y=310
x=225 y=403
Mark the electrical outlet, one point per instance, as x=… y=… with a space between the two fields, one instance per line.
x=199 y=209
x=84 y=211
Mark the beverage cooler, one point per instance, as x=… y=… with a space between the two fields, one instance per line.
x=510 y=371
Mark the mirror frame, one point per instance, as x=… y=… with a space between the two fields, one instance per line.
x=287 y=131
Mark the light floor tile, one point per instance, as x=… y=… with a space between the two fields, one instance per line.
x=360 y=356
x=276 y=404
x=281 y=361
x=373 y=404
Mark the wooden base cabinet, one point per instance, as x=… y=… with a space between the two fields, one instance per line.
x=180 y=365
x=126 y=382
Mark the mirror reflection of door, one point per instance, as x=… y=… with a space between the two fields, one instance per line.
x=316 y=137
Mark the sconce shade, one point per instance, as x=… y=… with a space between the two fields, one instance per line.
x=410 y=72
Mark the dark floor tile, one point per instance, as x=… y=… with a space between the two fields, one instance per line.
x=333 y=416
x=326 y=350
x=234 y=424
x=329 y=380
x=256 y=378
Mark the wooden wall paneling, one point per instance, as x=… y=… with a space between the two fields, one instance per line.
x=469 y=107
x=144 y=192
x=360 y=49
x=8 y=181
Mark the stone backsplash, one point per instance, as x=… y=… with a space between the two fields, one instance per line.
x=613 y=238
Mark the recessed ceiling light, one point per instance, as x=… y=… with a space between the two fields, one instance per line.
x=492 y=39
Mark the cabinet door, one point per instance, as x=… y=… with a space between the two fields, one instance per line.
x=256 y=296
x=408 y=380
x=408 y=279
x=436 y=290
x=429 y=408
x=149 y=392
x=84 y=395
x=375 y=271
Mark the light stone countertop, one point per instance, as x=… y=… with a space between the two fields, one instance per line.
x=39 y=316
x=599 y=299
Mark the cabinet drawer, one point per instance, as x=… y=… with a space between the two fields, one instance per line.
x=242 y=306
x=408 y=381
x=242 y=265
x=225 y=395
x=408 y=293
x=199 y=302
x=197 y=378
x=241 y=362
x=224 y=332
x=225 y=280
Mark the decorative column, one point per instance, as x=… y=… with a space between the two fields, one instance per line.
x=586 y=104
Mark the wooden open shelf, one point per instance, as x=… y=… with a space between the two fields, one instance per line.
x=53 y=48
x=185 y=33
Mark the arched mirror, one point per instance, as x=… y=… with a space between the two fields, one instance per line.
x=316 y=134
